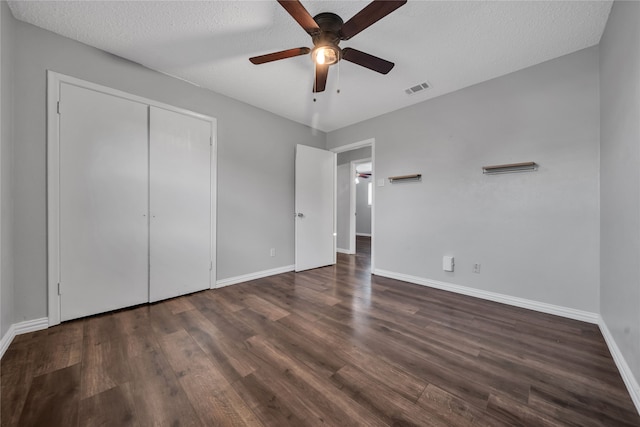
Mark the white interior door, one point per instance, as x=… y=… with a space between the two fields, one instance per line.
x=180 y=204
x=315 y=200
x=102 y=202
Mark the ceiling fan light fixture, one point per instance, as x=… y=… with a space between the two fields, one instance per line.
x=326 y=55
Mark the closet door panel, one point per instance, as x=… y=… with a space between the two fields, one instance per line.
x=180 y=204
x=103 y=202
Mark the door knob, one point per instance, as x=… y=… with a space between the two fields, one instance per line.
x=300 y=215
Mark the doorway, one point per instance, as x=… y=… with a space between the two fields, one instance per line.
x=363 y=196
x=355 y=200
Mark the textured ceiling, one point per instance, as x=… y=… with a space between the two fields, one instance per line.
x=449 y=44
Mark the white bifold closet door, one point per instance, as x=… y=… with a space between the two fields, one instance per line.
x=180 y=204
x=135 y=206
x=103 y=202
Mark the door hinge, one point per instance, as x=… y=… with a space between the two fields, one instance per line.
x=59 y=292
x=58 y=107
x=211 y=266
x=211 y=141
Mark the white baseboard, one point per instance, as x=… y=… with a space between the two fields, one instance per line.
x=363 y=234
x=625 y=371
x=557 y=310
x=21 y=328
x=253 y=276
x=344 y=251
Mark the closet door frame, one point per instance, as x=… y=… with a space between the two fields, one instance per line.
x=54 y=81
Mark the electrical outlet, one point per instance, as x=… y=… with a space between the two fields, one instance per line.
x=448 y=263
x=272 y=252
x=476 y=268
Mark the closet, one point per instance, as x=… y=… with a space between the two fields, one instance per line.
x=130 y=200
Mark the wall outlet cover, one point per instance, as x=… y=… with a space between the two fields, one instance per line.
x=447 y=263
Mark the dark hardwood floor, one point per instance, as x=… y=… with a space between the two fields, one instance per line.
x=331 y=346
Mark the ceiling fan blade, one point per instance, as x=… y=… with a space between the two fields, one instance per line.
x=368 y=61
x=275 y=56
x=322 y=71
x=372 y=13
x=300 y=14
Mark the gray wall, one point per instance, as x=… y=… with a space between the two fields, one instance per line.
x=363 y=210
x=535 y=234
x=6 y=205
x=255 y=161
x=343 y=179
x=620 y=179
x=357 y=154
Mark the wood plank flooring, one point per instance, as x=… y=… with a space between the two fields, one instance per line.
x=332 y=346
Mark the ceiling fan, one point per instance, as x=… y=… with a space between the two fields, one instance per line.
x=327 y=30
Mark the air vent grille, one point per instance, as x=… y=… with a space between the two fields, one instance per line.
x=417 y=88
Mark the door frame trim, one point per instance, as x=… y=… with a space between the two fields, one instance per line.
x=54 y=80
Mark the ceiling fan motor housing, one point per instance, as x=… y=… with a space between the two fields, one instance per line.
x=328 y=37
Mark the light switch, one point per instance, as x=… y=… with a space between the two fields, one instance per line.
x=381 y=182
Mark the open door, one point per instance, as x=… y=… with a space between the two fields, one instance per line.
x=315 y=205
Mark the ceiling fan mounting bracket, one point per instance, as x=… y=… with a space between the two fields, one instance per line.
x=330 y=25
x=329 y=22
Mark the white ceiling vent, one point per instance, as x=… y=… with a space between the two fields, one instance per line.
x=417 y=88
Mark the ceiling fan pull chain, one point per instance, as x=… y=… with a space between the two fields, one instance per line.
x=315 y=80
x=338 y=91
